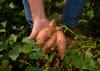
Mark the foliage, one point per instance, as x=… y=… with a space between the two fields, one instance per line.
x=17 y=53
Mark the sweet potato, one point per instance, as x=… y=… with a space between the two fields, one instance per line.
x=61 y=43
x=43 y=35
x=49 y=43
x=52 y=25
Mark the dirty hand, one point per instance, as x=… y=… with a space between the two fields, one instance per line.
x=51 y=36
x=38 y=25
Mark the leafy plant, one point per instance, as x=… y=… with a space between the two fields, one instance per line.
x=17 y=53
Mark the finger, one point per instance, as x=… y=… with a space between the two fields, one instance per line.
x=33 y=34
x=49 y=43
x=61 y=44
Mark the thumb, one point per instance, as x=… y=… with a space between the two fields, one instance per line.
x=33 y=34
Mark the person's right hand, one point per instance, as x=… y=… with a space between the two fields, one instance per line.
x=52 y=36
x=38 y=25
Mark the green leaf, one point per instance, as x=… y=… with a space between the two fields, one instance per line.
x=88 y=53
x=5 y=65
x=67 y=60
x=27 y=47
x=35 y=55
x=5 y=62
x=98 y=60
x=83 y=62
x=12 y=5
x=31 y=68
x=2 y=30
x=36 y=52
x=36 y=48
x=13 y=38
x=4 y=23
x=26 y=40
x=90 y=13
x=4 y=44
x=76 y=61
x=14 y=53
x=89 y=64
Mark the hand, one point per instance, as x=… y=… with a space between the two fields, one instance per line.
x=52 y=36
x=38 y=25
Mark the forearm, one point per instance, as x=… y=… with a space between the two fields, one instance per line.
x=37 y=9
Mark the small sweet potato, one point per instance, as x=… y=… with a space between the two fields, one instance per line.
x=52 y=25
x=61 y=43
x=43 y=35
x=49 y=43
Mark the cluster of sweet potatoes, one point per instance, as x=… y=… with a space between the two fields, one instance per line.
x=52 y=36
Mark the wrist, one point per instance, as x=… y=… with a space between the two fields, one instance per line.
x=42 y=19
x=39 y=18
